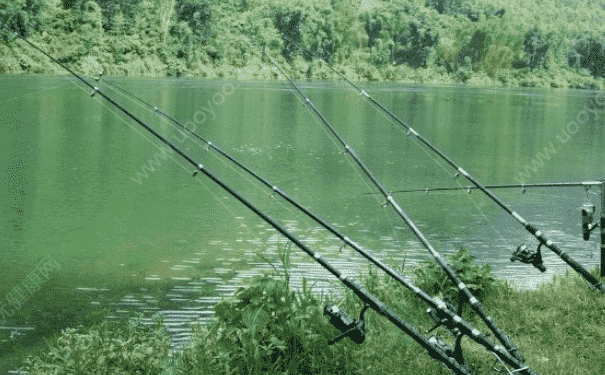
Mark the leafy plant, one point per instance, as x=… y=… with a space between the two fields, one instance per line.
x=135 y=349
x=267 y=328
x=432 y=279
x=20 y=16
x=588 y=53
x=536 y=46
x=197 y=14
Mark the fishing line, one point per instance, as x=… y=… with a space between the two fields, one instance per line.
x=145 y=105
x=440 y=164
x=194 y=137
x=4 y=101
x=491 y=224
x=538 y=234
x=463 y=289
x=432 y=345
x=436 y=304
x=191 y=135
x=338 y=149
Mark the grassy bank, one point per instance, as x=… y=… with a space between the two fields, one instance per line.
x=266 y=328
x=535 y=43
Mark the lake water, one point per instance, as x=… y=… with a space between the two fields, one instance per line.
x=116 y=221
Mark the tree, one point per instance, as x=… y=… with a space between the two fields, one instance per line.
x=20 y=16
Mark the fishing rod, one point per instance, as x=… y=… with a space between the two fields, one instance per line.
x=463 y=289
x=586 y=184
x=440 y=311
x=533 y=258
x=356 y=329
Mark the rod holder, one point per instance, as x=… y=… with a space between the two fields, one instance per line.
x=442 y=319
x=525 y=255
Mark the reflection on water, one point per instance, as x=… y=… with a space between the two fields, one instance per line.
x=173 y=245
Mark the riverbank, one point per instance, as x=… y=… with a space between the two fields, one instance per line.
x=438 y=42
x=266 y=328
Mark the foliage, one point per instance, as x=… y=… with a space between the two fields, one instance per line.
x=118 y=15
x=477 y=42
x=588 y=53
x=433 y=280
x=400 y=35
x=197 y=14
x=557 y=327
x=536 y=46
x=266 y=328
x=274 y=330
x=101 y=350
x=288 y=24
x=20 y=16
x=490 y=46
x=466 y=8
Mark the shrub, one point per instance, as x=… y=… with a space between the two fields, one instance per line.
x=588 y=53
x=131 y=350
x=20 y=16
x=536 y=46
x=197 y=14
x=399 y=35
x=433 y=280
x=268 y=328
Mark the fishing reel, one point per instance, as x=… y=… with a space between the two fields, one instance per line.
x=355 y=329
x=525 y=255
x=587 y=217
x=442 y=319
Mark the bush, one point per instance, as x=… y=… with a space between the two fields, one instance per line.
x=433 y=280
x=399 y=35
x=536 y=46
x=20 y=16
x=197 y=14
x=268 y=328
x=588 y=53
x=132 y=350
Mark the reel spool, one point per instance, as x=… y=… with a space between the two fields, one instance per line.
x=354 y=329
x=525 y=255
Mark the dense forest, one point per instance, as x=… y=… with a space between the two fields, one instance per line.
x=535 y=43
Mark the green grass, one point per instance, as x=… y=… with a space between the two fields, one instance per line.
x=266 y=328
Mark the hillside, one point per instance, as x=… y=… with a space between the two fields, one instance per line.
x=535 y=43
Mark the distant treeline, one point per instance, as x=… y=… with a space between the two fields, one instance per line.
x=553 y=43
